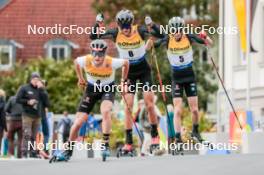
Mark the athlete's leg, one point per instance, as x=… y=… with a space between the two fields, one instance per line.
x=81 y=117
x=193 y=104
x=145 y=79
x=150 y=106
x=106 y=110
x=153 y=119
x=177 y=102
x=86 y=105
x=129 y=101
x=191 y=92
x=177 y=94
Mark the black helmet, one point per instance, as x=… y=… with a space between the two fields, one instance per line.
x=124 y=17
x=98 y=45
x=176 y=22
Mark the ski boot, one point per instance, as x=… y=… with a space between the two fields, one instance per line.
x=105 y=153
x=59 y=156
x=171 y=142
x=197 y=138
x=126 y=151
x=34 y=154
x=155 y=147
x=177 y=150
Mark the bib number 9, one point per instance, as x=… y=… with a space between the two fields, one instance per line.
x=130 y=53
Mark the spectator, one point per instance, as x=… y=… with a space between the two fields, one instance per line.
x=2 y=117
x=66 y=124
x=14 y=125
x=29 y=95
x=92 y=123
x=43 y=109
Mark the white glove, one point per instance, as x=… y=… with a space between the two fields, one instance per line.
x=148 y=20
x=99 y=17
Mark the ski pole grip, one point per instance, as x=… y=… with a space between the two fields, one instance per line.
x=99 y=17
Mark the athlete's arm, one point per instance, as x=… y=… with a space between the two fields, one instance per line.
x=125 y=70
x=149 y=44
x=206 y=38
x=118 y=63
x=161 y=42
x=195 y=39
x=97 y=33
x=108 y=34
x=152 y=31
x=79 y=64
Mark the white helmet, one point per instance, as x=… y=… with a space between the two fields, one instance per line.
x=176 y=22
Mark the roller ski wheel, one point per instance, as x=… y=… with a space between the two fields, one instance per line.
x=126 y=151
x=156 y=151
x=196 y=137
x=155 y=147
x=105 y=153
x=60 y=156
x=177 y=149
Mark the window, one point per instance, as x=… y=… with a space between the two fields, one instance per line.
x=58 y=52
x=5 y=56
x=59 y=49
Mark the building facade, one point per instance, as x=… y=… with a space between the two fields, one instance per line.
x=19 y=21
x=241 y=77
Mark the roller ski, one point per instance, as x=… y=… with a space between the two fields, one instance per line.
x=155 y=147
x=177 y=148
x=60 y=156
x=126 y=151
x=197 y=138
x=105 y=153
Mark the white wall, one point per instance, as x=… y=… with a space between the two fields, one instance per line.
x=235 y=70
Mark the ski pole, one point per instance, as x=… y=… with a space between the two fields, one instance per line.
x=164 y=99
x=222 y=83
x=131 y=118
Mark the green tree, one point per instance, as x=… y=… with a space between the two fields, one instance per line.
x=61 y=78
x=160 y=10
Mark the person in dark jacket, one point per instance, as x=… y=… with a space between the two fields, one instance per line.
x=2 y=116
x=14 y=125
x=29 y=96
x=43 y=109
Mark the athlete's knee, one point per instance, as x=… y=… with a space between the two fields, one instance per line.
x=195 y=111
x=178 y=112
x=79 y=121
x=106 y=112
x=150 y=106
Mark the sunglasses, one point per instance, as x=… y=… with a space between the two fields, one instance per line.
x=125 y=26
x=98 y=53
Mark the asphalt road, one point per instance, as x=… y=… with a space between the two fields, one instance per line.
x=248 y=164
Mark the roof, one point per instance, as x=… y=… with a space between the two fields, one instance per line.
x=18 y=14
